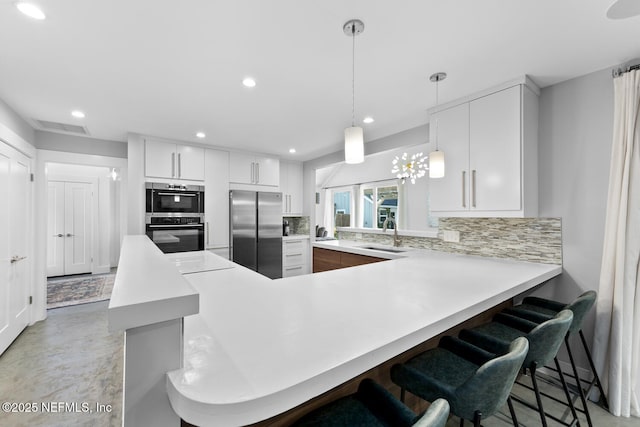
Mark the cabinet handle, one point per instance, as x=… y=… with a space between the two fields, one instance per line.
x=473 y=188
x=253 y=172
x=206 y=226
x=17 y=258
x=300 y=254
x=464 y=189
x=294 y=268
x=257 y=173
x=179 y=166
x=69 y=235
x=58 y=235
x=173 y=165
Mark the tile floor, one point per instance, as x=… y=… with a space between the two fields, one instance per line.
x=72 y=358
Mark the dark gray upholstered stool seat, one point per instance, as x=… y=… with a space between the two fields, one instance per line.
x=544 y=341
x=374 y=406
x=539 y=309
x=475 y=382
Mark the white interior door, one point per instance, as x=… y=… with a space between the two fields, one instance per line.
x=77 y=228
x=55 y=228
x=14 y=235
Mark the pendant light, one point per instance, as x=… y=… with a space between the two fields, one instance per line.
x=436 y=158
x=353 y=136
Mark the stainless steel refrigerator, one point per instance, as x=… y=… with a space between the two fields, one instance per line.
x=256 y=231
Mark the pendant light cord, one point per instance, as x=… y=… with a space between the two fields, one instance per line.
x=353 y=75
x=437 y=120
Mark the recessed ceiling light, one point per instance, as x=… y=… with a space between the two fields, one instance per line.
x=292 y=150
x=368 y=120
x=78 y=114
x=31 y=10
x=200 y=134
x=249 y=82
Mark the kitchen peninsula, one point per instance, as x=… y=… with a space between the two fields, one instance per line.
x=260 y=347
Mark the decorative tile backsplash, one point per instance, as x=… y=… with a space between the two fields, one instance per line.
x=298 y=224
x=526 y=239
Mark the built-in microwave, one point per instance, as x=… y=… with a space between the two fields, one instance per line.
x=174 y=200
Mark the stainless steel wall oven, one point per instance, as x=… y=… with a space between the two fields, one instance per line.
x=175 y=216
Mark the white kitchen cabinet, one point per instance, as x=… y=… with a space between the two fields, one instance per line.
x=449 y=193
x=291 y=187
x=490 y=146
x=295 y=256
x=216 y=199
x=175 y=161
x=253 y=169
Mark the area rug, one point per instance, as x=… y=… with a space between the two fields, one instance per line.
x=82 y=289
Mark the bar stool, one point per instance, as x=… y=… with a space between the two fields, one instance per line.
x=373 y=406
x=476 y=383
x=544 y=341
x=539 y=309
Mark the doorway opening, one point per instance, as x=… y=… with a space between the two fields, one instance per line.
x=83 y=233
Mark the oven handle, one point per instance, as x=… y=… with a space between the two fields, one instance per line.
x=175 y=225
x=177 y=194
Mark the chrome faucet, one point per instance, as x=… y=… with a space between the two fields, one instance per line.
x=396 y=240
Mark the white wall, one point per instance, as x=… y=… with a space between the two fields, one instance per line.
x=576 y=128
x=79 y=144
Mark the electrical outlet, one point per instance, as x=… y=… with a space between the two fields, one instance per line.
x=451 y=236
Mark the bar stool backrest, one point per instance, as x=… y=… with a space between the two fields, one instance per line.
x=436 y=415
x=489 y=388
x=546 y=338
x=580 y=307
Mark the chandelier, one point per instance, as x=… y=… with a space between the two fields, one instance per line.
x=411 y=168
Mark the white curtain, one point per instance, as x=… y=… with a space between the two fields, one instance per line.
x=617 y=335
x=328 y=211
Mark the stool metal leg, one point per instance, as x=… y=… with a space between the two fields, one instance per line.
x=593 y=369
x=577 y=378
x=513 y=412
x=536 y=390
x=477 y=416
x=566 y=392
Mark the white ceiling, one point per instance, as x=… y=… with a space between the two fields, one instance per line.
x=171 y=68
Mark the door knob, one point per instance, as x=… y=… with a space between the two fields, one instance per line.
x=17 y=258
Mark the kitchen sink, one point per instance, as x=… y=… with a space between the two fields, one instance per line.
x=381 y=248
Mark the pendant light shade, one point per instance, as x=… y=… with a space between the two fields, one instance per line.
x=353 y=136
x=353 y=145
x=436 y=164
x=436 y=158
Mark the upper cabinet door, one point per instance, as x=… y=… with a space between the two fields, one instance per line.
x=160 y=159
x=248 y=168
x=451 y=193
x=169 y=160
x=190 y=162
x=268 y=171
x=242 y=168
x=495 y=151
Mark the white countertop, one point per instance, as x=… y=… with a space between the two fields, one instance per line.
x=259 y=347
x=198 y=261
x=295 y=237
x=148 y=289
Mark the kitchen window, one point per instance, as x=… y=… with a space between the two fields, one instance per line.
x=378 y=202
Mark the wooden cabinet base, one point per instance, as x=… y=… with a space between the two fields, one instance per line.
x=326 y=259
